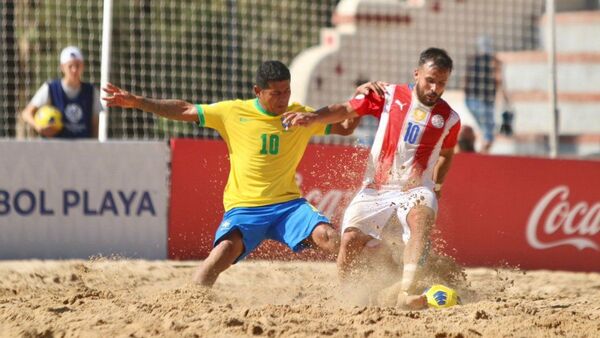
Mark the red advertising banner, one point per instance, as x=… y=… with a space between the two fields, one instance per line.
x=199 y=171
x=495 y=210
x=526 y=212
x=328 y=176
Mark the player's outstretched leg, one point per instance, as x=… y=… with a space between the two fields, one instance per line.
x=326 y=237
x=220 y=258
x=420 y=219
x=353 y=242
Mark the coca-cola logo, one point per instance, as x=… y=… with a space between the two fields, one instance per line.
x=330 y=202
x=554 y=214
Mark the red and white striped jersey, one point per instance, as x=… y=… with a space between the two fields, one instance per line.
x=409 y=137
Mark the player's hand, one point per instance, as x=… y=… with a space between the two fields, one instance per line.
x=118 y=97
x=48 y=131
x=372 y=86
x=292 y=119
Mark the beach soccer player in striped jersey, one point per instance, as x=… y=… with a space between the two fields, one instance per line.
x=261 y=198
x=410 y=156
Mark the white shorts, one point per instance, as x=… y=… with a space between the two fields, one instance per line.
x=370 y=210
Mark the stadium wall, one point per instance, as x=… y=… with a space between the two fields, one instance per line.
x=76 y=199
x=495 y=210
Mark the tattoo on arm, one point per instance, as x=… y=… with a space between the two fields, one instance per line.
x=171 y=109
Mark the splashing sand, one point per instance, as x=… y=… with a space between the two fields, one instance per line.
x=114 y=297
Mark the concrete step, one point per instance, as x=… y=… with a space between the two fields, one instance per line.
x=581 y=146
x=527 y=71
x=579 y=113
x=575 y=31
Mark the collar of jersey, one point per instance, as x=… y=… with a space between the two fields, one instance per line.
x=261 y=109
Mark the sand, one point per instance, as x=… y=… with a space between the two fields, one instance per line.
x=138 y=298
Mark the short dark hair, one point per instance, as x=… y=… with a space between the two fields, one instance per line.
x=271 y=70
x=438 y=56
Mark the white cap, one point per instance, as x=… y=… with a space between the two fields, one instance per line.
x=70 y=53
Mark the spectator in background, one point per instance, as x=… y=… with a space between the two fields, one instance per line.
x=466 y=140
x=78 y=102
x=481 y=83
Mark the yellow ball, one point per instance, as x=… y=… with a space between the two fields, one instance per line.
x=48 y=116
x=440 y=296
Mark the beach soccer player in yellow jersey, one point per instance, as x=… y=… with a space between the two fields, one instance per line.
x=261 y=198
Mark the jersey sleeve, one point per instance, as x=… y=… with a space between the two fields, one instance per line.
x=452 y=137
x=214 y=115
x=41 y=97
x=371 y=104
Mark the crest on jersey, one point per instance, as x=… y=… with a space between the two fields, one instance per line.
x=437 y=121
x=419 y=115
x=359 y=97
x=73 y=112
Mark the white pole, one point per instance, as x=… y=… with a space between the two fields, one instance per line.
x=105 y=66
x=551 y=38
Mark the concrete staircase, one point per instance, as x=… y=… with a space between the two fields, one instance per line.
x=578 y=80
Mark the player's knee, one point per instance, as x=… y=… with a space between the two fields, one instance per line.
x=352 y=239
x=333 y=237
x=325 y=236
x=420 y=219
x=226 y=245
x=230 y=245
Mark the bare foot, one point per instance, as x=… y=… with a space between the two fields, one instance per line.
x=394 y=296
x=388 y=296
x=412 y=302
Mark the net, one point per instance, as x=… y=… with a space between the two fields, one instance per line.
x=200 y=51
x=206 y=51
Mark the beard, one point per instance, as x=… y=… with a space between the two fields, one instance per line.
x=428 y=99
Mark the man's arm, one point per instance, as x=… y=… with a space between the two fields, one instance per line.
x=28 y=115
x=345 y=127
x=327 y=115
x=499 y=81
x=171 y=109
x=442 y=167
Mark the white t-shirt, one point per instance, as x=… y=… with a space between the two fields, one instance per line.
x=42 y=96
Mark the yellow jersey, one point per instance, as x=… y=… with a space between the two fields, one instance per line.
x=263 y=155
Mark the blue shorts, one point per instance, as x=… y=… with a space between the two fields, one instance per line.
x=289 y=223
